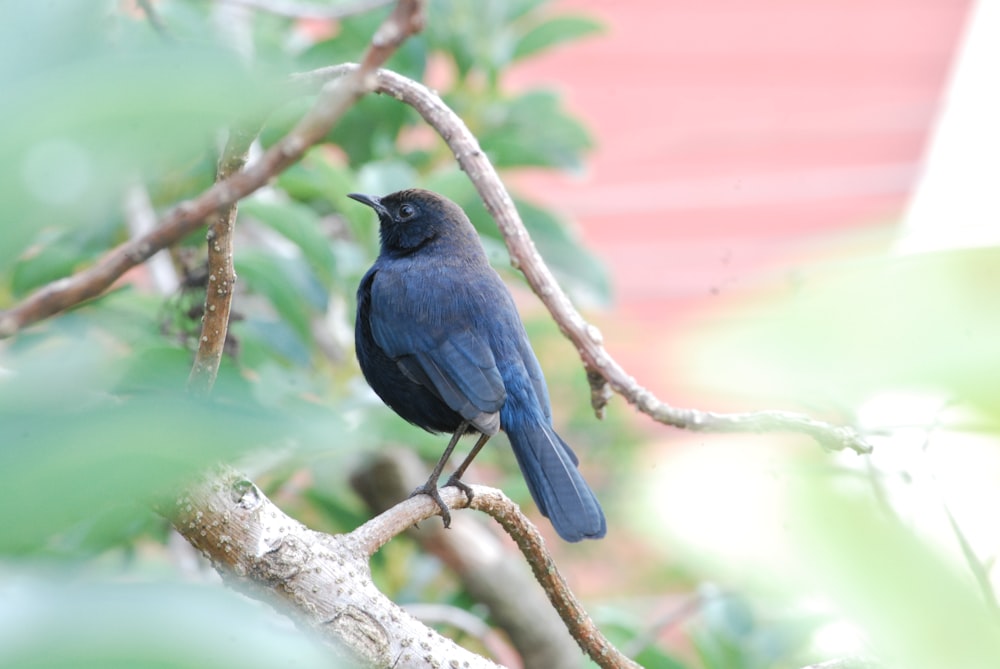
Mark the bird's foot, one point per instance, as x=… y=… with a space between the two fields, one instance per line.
x=453 y=480
x=431 y=490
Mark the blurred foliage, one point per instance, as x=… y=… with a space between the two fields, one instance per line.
x=846 y=331
x=900 y=545
x=103 y=625
x=917 y=604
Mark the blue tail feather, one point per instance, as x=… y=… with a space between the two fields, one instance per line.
x=555 y=483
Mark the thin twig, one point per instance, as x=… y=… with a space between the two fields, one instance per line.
x=185 y=217
x=379 y=530
x=602 y=370
x=532 y=546
x=221 y=273
x=478 y=558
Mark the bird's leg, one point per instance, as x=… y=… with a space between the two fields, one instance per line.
x=430 y=488
x=454 y=478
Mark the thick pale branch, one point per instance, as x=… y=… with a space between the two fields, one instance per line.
x=324 y=581
x=321 y=581
x=602 y=369
x=472 y=625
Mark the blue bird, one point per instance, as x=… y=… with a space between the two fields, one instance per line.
x=439 y=340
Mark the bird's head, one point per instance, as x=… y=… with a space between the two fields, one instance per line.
x=410 y=219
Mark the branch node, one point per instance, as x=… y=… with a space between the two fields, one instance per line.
x=185 y=209
x=600 y=391
x=292 y=146
x=246 y=494
x=595 y=335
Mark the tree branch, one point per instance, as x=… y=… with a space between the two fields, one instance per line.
x=221 y=280
x=334 y=99
x=341 y=86
x=602 y=370
x=323 y=582
x=532 y=546
x=506 y=587
x=405 y=20
x=470 y=624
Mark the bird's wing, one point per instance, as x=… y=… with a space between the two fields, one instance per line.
x=534 y=371
x=455 y=362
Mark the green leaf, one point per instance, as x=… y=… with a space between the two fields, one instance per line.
x=60 y=467
x=267 y=341
x=83 y=114
x=652 y=656
x=338 y=508
x=533 y=130
x=353 y=39
x=41 y=266
x=300 y=225
x=291 y=290
x=915 y=603
x=58 y=252
x=554 y=32
x=465 y=32
x=317 y=178
x=369 y=129
x=488 y=35
x=515 y=9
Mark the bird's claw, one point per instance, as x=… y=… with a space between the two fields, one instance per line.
x=453 y=480
x=431 y=490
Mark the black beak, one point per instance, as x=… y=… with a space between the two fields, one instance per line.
x=372 y=201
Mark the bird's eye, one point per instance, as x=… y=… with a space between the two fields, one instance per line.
x=407 y=211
